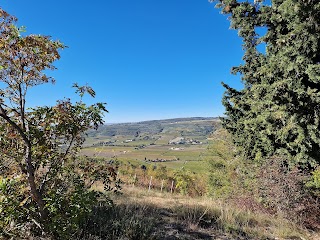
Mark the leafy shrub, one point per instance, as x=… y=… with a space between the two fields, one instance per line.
x=188 y=183
x=183 y=180
x=223 y=165
x=69 y=203
x=12 y=211
x=284 y=190
x=69 y=207
x=43 y=191
x=314 y=183
x=161 y=173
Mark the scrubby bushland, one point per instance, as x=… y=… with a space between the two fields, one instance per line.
x=287 y=192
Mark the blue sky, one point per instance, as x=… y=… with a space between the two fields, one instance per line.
x=147 y=59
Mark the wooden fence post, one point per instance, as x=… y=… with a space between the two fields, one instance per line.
x=134 y=180
x=172 y=186
x=162 y=185
x=150 y=183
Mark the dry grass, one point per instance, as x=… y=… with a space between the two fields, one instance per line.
x=182 y=217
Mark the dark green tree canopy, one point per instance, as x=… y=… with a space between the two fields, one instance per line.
x=277 y=111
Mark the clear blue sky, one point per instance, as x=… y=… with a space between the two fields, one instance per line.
x=147 y=59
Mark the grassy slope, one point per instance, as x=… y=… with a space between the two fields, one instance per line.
x=172 y=216
x=143 y=214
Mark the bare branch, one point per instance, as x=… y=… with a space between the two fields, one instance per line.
x=4 y=115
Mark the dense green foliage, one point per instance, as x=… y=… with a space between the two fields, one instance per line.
x=277 y=111
x=223 y=165
x=274 y=120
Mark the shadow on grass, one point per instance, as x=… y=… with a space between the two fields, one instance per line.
x=137 y=221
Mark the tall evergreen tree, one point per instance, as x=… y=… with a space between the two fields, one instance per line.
x=278 y=109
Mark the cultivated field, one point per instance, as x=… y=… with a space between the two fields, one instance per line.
x=150 y=143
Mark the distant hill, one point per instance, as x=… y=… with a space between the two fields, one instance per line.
x=195 y=126
x=174 y=143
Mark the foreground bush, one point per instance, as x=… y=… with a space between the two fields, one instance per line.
x=289 y=192
x=45 y=190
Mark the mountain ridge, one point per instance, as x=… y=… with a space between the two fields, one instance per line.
x=185 y=126
x=164 y=120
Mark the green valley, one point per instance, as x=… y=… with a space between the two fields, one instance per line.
x=172 y=142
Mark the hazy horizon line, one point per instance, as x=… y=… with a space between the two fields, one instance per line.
x=149 y=120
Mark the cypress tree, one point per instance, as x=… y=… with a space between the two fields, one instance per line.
x=278 y=109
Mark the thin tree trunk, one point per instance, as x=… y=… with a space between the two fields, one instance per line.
x=35 y=194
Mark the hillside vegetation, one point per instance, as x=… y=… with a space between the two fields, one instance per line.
x=196 y=126
x=171 y=143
